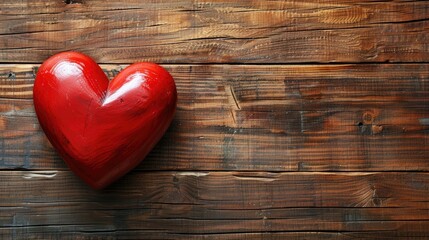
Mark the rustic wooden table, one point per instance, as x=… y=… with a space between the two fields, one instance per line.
x=295 y=119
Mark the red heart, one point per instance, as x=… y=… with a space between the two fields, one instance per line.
x=102 y=129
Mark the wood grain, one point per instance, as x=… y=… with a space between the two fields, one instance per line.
x=296 y=120
x=273 y=118
x=224 y=31
x=197 y=205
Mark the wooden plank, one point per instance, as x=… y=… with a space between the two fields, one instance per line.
x=223 y=31
x=135 y=234
x=56 y=232
x=273 y=118
x=52 y=203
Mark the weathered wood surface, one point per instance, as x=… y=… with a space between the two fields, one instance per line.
x=216 y=31
x=274 y=118
x=217 y=204
x=295 y=120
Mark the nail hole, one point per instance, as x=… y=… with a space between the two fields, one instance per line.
x=11 y=75
x=73 y=1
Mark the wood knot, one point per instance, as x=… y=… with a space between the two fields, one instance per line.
x=368 y=126
x=369 y=129
x=368 y=118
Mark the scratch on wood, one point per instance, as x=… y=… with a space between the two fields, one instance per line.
x=232 y=97
x=39 y=174
x=262 y=179
x=196 y=174
x=233 y=116
x=265 y=177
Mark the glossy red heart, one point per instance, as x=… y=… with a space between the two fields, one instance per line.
x=102 y=129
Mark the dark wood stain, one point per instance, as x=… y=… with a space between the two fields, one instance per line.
x=295 y=120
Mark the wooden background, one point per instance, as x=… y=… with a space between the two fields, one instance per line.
x=296 y=119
